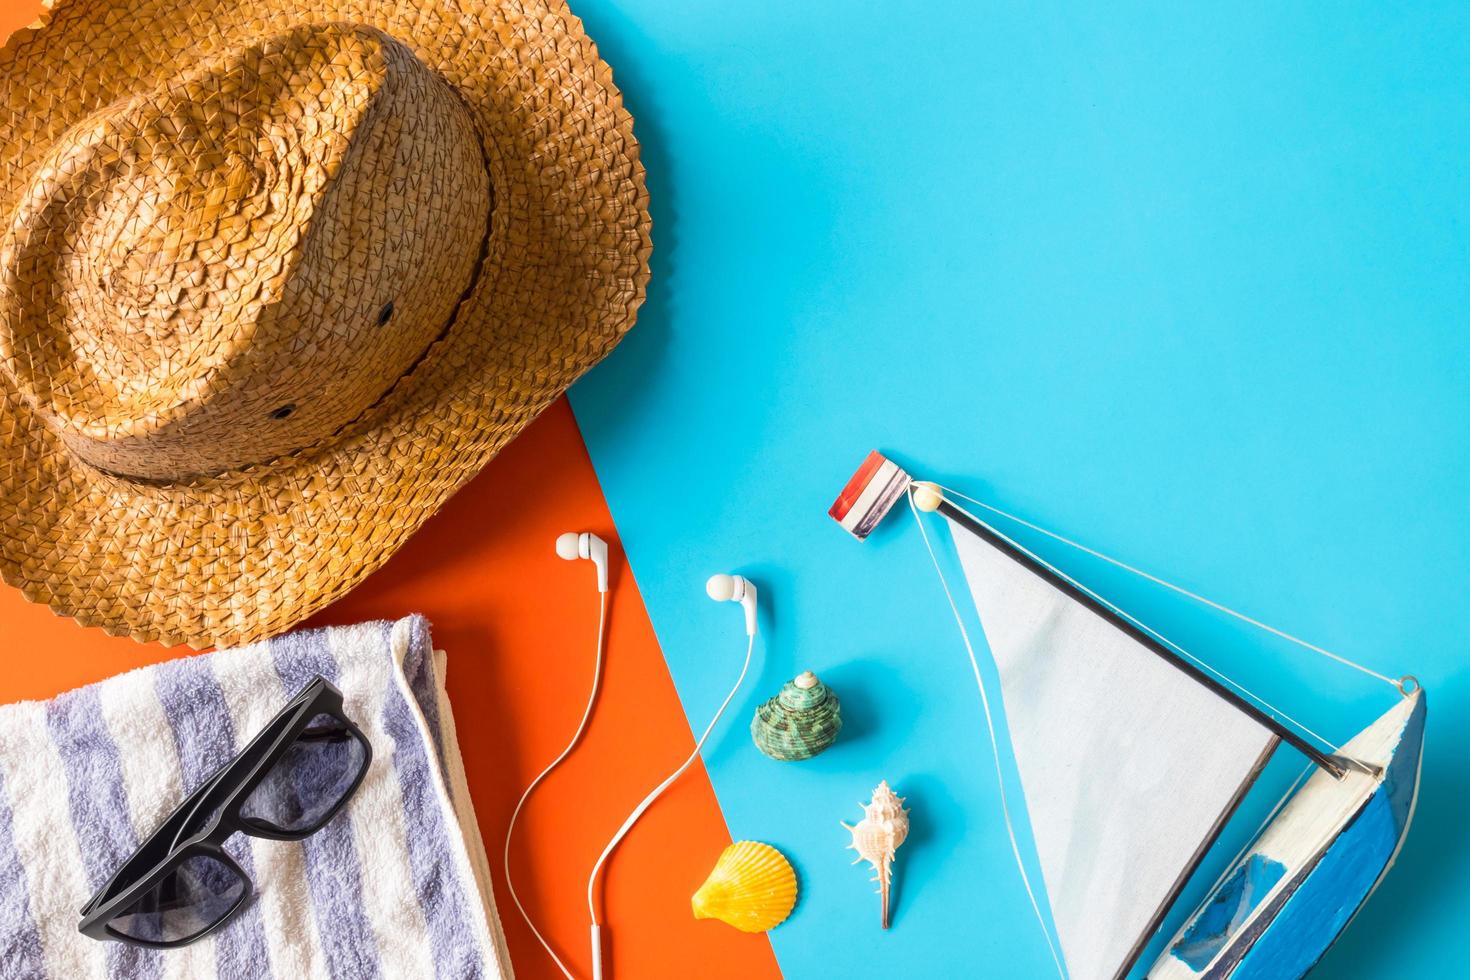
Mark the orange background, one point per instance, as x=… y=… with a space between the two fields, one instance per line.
x=519 y=625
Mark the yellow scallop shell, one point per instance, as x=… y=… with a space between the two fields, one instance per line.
x=752 y=888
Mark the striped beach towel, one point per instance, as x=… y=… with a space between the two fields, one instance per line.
x=396 y=886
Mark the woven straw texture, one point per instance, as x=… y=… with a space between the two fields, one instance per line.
x=276 y=281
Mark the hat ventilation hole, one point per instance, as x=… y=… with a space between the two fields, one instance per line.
x=385 y=314
x=283 y=412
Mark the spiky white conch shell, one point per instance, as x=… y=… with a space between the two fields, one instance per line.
x=885 y=826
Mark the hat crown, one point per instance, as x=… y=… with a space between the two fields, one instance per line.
x=239 y=263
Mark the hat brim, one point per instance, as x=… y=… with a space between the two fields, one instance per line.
x=233 y=558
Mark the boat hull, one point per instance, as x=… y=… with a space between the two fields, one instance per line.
x=1280 y=907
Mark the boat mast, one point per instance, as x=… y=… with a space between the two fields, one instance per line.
x=1334 y=765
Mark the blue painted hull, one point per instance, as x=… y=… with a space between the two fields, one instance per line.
x=1321 y=907
x=1274 y=917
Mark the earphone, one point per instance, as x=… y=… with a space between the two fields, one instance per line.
x=734 y=588
x=721 y=588
x=572 y=547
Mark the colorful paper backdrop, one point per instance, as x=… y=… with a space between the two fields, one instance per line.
x=1187 y=284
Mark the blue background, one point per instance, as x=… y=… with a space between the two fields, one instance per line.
x=1190 y=286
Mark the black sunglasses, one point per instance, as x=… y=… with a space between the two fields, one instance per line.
x=293 y=777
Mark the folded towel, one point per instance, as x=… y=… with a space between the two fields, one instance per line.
x=396 y=885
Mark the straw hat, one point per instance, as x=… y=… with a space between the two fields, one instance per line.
x=277 y=277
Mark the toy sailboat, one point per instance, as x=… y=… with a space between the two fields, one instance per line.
x=1122 y=817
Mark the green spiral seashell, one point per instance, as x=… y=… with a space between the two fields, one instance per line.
x=799 y=722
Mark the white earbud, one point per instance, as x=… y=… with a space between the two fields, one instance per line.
x=734 y=588
x=721 y=588
x=572 y=546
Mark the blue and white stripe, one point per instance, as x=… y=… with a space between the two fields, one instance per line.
x=23 y=956
x=395 y=886
x=198 y=716
x=46 y=845
x=155 y=783
x=333 y=864
x=442 y=892
x=98 y=800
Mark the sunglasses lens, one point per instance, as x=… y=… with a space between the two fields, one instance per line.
x=308 y=782
x=197 y=894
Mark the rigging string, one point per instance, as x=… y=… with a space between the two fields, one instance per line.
x=581 y=728
x=994 y=746
x=1181 y=590
x=1404 y=685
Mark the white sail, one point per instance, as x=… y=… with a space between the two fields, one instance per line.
x=1128 y=765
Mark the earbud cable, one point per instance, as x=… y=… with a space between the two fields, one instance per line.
x=647 y=802
x=581 y=728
